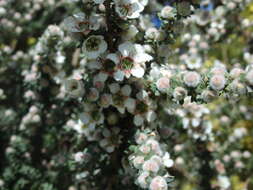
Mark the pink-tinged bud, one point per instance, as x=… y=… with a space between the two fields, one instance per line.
x=141 y=138
x=163 y=84
x=217 y=82
x=235 y=73
x=150 y=165
x=192 y=79
x=137 y=161
x=142 y=179
x=158 y=183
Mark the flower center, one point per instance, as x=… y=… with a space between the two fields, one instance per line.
x=74 y=86
x=127 y=63
x=125 y=9
x=82 y=25
x=142 y=107
x=109 y=65
x=92 y=44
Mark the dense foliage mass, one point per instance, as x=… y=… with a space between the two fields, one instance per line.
x=126 y=94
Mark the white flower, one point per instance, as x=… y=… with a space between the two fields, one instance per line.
x=217 y=82
x=130 y=62
x=74 y=87
x=158 y=183
x=76 y=23
x=191 y=78
x=128 y=8
x=94 y=46
x=193 y=62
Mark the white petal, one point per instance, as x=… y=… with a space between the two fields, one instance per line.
x=114 y=57
x=126 y=49
x=119 y=75
x=168 y=163
x=137 y=71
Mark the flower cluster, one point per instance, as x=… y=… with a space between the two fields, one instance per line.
x=151 y=161
x=102 y=94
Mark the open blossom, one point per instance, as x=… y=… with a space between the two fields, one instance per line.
x=131 y=61
x=94 y=46
x=128 y=8
x=81 y=23
x=76 y=23
x=191 y=78
x=158 y=183
x=74 y=88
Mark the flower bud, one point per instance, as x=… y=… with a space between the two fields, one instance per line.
x=191 y=79
x=217 y=82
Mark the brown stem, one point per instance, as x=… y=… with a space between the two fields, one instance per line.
x=109 y=35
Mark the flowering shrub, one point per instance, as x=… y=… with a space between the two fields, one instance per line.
x=133 y=94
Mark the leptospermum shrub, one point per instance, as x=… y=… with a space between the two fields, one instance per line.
x=126 y=94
